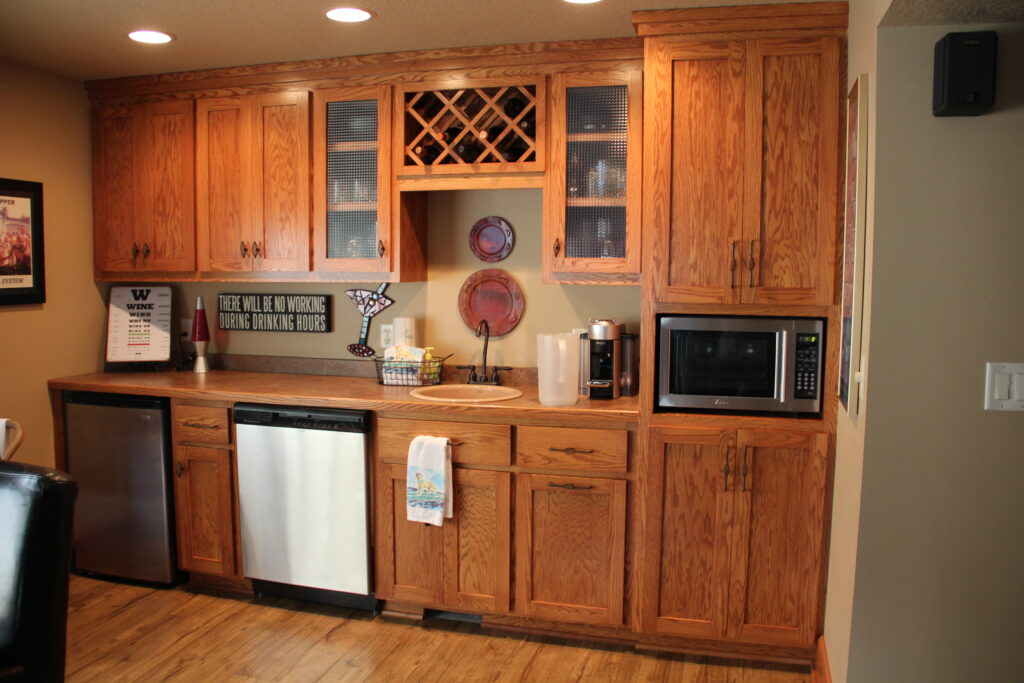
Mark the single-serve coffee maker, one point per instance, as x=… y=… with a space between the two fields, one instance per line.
x=608 y=360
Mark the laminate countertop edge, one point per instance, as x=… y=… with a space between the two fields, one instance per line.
x=328 y=391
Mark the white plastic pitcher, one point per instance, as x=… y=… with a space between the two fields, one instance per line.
x=558 y=368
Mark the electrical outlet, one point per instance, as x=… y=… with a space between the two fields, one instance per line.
x=387 y=335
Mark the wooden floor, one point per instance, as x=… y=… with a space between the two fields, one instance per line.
x=120 y=632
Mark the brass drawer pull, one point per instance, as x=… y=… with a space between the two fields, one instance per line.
x=244 y=250
x=179 y=469
x=745 y=469
x=571 y=487
x=750 y=265
x=732 y=267
x=196 y=425
x=135 y=251
x=570 y=450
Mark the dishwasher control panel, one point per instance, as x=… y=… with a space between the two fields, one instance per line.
x=295 y=417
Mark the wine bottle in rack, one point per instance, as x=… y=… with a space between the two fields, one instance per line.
x=427 y=152
x=514 y=106
x=515 y=150
x=469 y=149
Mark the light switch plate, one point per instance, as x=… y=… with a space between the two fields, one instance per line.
x=1004 y=386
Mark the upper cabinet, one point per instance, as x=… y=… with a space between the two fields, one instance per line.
x=142 y=188
x=252 y=182
x=592 y=188
x=741 y=165
x=351 y=180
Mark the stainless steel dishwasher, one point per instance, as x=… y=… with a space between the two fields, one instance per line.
x=303 y=502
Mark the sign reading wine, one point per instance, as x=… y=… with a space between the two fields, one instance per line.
x=274 y=312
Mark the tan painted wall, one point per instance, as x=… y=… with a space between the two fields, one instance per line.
x=549 y=308
x=45 y=138
x=862 y=40
x=938 y=593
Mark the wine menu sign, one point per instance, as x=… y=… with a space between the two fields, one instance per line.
x=274 y=312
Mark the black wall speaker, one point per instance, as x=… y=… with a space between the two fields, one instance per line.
x=965 y=74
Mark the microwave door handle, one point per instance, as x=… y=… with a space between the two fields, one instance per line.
x=782 y=366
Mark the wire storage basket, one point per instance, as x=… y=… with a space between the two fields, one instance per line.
x=410 y=373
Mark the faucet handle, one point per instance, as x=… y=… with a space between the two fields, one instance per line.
x=494 y=377
x=472 y=372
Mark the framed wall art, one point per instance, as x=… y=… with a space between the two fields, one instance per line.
x=22 y=278
x=853 y=243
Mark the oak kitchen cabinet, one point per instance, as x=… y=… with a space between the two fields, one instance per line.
x=252 y=182
x=570 y=529
x=464 y=564
x=592 y=187
x=142 y=188
x=742 y=205
x=204 y=488
x=737 y=528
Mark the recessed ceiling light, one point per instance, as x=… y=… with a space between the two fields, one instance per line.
x=152 y=37
x=349 y=15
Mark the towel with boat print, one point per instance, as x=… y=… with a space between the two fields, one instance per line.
x=428 y=484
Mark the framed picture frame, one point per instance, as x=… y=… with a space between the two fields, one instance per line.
x=853 y=244
x=22 y=273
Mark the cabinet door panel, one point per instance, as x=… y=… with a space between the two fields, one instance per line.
x=477 y=550
x=792 y=188
x=223 y=184
x=409 y=554
x=282 y=161
x=592 y=187
x=779 y=513
x=570 y=548
x=697 y=180
x=691 y=555
x=115 y=193
x=352 y=193
x=203 y=494
x=165 y=167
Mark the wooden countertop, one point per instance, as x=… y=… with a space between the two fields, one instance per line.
x=361 y=393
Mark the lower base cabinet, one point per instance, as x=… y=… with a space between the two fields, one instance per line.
x=570 y=548
x=203 y=485
x=735 y=546
x=462 y=565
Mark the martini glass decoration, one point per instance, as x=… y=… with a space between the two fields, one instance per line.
x=369 y=303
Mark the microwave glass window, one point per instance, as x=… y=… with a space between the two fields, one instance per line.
x=715 y=363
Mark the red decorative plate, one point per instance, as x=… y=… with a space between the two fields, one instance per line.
x=491 y=239
x=492 y=295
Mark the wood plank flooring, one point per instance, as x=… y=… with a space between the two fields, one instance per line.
x=119 y=632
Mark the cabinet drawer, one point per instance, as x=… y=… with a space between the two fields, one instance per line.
x=201 y=424
x=472 y=444
x=567 y=448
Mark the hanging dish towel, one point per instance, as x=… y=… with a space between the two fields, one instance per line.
x=3 y=436
x=428 y=486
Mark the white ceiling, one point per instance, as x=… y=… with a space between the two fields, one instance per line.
x=87 y=39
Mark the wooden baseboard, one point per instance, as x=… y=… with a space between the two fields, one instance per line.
x=821 y=673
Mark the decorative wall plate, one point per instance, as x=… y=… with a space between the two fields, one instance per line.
x=491 y=239
x=492 y=295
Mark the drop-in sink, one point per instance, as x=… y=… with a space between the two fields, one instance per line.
x=465 y=393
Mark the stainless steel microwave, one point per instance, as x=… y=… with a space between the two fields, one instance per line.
x=740 y=364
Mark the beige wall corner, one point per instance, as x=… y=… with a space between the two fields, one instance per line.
x=45 y=138
x=862 y=36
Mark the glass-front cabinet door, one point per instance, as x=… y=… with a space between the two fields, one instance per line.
x=351 y=187
x=592 y=195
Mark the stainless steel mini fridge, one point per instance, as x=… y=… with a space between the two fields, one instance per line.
x=118 y=450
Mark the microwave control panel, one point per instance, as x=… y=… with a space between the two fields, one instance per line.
x=808 y=354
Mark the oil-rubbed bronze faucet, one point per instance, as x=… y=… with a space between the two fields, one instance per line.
x=483 y=328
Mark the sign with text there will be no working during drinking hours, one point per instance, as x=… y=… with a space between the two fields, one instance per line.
x=274 y=312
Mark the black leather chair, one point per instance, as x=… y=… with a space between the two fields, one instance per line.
x=36 y=508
